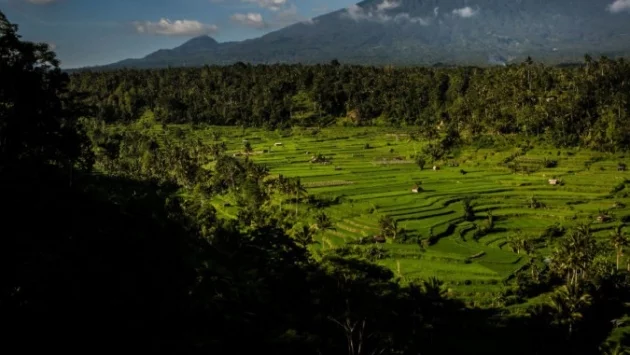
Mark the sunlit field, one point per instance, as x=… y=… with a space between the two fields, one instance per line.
x=370 y=172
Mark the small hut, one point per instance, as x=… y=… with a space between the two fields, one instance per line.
x=602 y=218
x=415 y=189
x=278 y=144
x=436 y=168
x=379 y=239
x=554 y=181
x=338 y=168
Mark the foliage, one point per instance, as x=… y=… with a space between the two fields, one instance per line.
x=388 y=227
x=583 y=105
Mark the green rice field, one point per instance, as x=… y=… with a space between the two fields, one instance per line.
x=376 y=180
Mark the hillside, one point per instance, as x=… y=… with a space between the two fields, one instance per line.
x=424 y=32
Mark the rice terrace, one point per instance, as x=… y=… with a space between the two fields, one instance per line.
x=516 y=190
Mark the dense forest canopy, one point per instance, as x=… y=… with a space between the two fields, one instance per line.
x=586 y=105
x=110 y=242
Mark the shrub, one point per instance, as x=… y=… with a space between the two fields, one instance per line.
x=421 y=161
x=548 y=163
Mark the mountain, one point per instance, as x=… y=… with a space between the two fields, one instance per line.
x=424 y=32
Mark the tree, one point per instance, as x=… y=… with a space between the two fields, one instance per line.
x=619 y=240
x=435 y=151
x=323 y=222
x=421 y=161
x=574 y=254
x=299 y=190
x=469 y=212
x=434 y=288
x=247 y=148
x=517 y=243
x=388 y=227
x=38 y=118
x=568 y=303
x=304 y=236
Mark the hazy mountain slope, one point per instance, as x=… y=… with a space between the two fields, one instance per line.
x=425 y=32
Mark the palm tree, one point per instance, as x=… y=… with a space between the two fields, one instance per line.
x=299 y=190
x=282 y=186
x=516 y=242
x=619 y=240
x=434 y=288
x=421 y=161
x=568 y=304
x=247 y=148
x=575 y=254
x=323 y=222
x=613 y=349
x=389 y=227
x=304 y=236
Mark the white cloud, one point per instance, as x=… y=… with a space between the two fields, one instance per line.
x=387 y=5
x=357 y=13
x=619 y=6
x=405 y=17
x=251 y=19
x=167 y=27
x=273 y=5
x=465 y=12
x=436 y=11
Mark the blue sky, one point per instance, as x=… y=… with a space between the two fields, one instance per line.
x=94 y=32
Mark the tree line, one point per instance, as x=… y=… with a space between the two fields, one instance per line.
x=583 y=105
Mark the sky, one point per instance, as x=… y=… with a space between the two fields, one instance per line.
x=96 y=32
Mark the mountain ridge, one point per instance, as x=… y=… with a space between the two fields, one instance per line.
x=422 y=32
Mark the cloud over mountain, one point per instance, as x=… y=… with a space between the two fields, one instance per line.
x=380 y=13
x=250 y=19
x=167 y=27
x=273 y=5
x=411 y=32
x=619 y=6
x=465 y=12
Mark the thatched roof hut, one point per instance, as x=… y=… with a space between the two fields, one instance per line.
x=379 y=239
x=602 y=218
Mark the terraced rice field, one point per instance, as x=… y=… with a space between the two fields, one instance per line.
x=378 y=181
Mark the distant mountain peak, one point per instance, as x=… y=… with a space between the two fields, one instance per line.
x=423 y=32
x=199 y=43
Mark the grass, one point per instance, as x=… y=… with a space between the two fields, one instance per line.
x=378 y=181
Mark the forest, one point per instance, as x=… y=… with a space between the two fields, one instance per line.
x=584 y=105
x=112 y=239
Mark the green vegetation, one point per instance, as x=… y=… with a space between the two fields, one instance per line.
x=206 y=239
x=585 y=105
